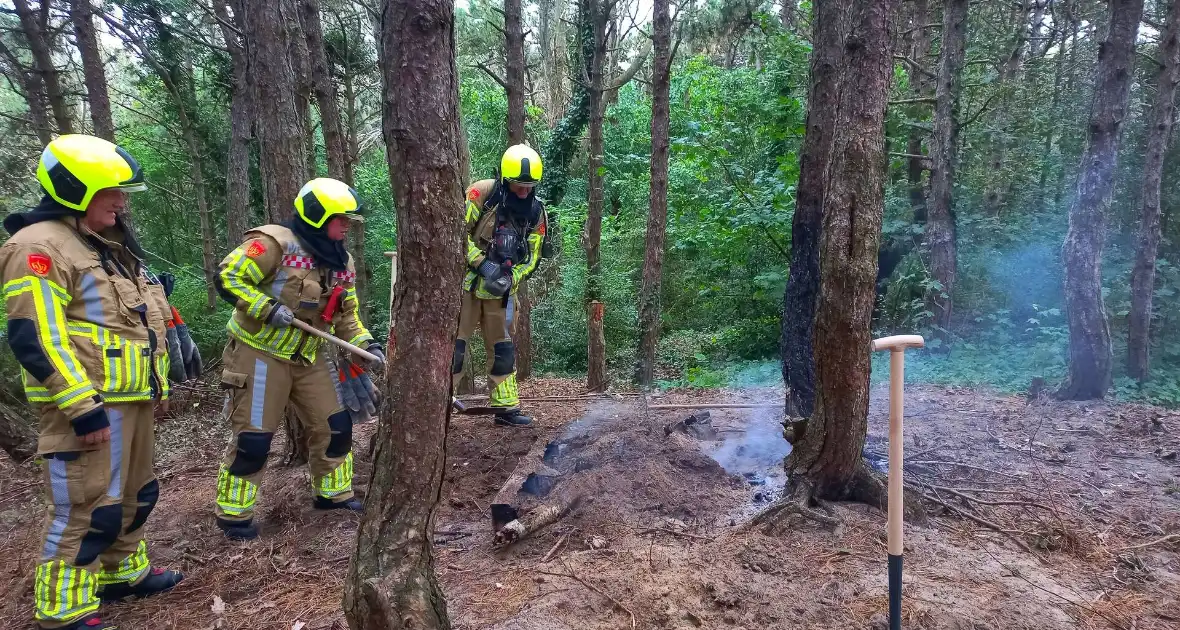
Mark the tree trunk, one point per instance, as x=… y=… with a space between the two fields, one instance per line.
x=600 y=18
x=325 y=89
x=940 y=227
x=241 y=117
x=552 y=56
x=36 y=30
x=802 y=292
x=1158 y=136
x=270 y=33
x=657 y=214
x=391 y=580
x=29 y=82
x=208 y=236
x=827 y=456
x=1089 y=331
x=920 y=81
x=595 y=348
x=786 y=13
x=92 y=69
x=514 y=70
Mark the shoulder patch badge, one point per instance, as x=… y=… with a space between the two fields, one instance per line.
x=40 y=264
x=473 y=194
x=255 y=249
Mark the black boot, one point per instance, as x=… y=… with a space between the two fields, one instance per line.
x=89 y=622
x=238 y=530
x=157 y=581
x=324 y=503
x=513 y=418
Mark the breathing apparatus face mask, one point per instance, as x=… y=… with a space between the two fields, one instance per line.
x=506 y=243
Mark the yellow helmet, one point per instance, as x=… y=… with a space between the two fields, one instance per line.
x=75 y=166
x=322 y=198
x=521 y=165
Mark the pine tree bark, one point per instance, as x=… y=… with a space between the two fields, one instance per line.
x=325 y=89
x=552 y=56
x=35 y=25
x=657 y=215
x=34 y=92
x=391 y=579
x=940 y=226
x=1089 y=330
x=600 y=18
x=920 y=80
x=93 y=71
x=1159 y=134
x=514 y=70
x=270 y=35
x=826 y=458
x=802 y=292
x=241 y=134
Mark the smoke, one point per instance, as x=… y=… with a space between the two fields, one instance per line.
x=758 y=448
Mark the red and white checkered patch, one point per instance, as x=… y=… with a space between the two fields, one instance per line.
x=302 y=262
x=344 y=276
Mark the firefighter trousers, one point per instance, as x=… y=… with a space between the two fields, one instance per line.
x=494 y=318
x=260 y=387
x=99 y=500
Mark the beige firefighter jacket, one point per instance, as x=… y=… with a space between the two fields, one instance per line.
x=85 y=322
x=272 y=268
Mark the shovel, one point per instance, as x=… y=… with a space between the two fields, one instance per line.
x=896 y=346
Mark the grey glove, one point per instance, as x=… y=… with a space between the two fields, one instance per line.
x=175 y=357
x=193 y=366
x=489 y=270
x=280 y=316
x=360 y=400
x=375 y=349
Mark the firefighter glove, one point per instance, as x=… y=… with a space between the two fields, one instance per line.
x=375 y=350
x=176 y=372
x=280 y=316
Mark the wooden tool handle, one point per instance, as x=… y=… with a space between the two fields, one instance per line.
x=308 y=328
x=898 y=342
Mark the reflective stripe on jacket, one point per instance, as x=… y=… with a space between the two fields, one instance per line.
x=480 y=221
x=271 y=268
x=82 y=322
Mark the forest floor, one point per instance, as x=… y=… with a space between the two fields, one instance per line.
x=1087 y=496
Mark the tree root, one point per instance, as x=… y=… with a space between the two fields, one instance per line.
x=798 y=502
x=867 y=486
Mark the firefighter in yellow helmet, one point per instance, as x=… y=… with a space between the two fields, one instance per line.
x=297 y=270
x=85 y=321
x=506 y=235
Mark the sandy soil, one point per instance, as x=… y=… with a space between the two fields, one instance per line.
x=1043 y=515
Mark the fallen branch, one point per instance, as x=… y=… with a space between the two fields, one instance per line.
x=962 y=465
x=552 y=550
x=537 y=519
x=982 y=521
x=1159 y=541
x=661 y=530
x=573 y=576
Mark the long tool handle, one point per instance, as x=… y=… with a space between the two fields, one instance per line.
x=308 y=328
x=896 y=546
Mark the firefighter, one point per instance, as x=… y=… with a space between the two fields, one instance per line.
x=506 y=226
x=84 y=321
x=299 y=269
